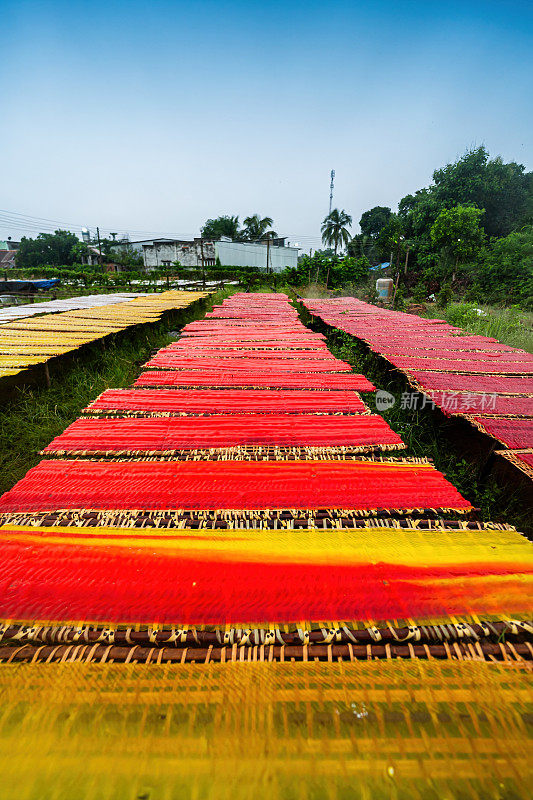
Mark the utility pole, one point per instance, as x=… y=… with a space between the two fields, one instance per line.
x=331 y=189
x=99 y=246
x=268 y=251
x=406 y=261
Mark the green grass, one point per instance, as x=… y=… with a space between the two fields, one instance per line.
x=35 y=415
x=509 y=325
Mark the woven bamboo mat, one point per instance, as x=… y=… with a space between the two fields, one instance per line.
x=336 y=730
x=513 y=433
x=484 y=403
x=523 y=459
x=359 y=485
x=256 y=380
x=468 y=366
x=231 y=366
x=478 y=384
x=132 y=435
x=440 y=361
x=31 y=343
x=366 y=577
x=66 y=304
x=227 y=401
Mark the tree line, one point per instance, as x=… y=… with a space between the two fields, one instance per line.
x=470 y=231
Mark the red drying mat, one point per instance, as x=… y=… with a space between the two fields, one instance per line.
x=210 y=485
x=132 y=435
x=256 y=355
x=472 y=365
x=223 y=347
x=320 y=381
x=245 y=326
x=473 y=383
x=513 y=433
x=460 y=347
x=231 y=365
x=485 y=403
x=254 y=334
x=470 y=357
x=241 y=577
x=236 y=401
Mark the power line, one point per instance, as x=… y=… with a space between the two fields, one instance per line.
x=12 y=220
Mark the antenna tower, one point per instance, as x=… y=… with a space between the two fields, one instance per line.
x=331 y=189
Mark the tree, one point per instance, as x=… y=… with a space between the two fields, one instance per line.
x=391 y=240
x=125 y=255
x=373 y=221
x=505 y=269
x=61 y=248
x=221 y=226
x=257 y=228
x=457 y=235
x=335 y=229
x=505 y=191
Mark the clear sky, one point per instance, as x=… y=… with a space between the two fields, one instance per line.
x=153 y=116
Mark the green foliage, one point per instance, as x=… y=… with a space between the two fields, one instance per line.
x=399 y=303
x=373 y=221
x=457 y=237
x=489 y=256
x=61 y=247
x=444 y=296
x=508 y=325
x=225 y=225
x=363 y=245
x=335 y=229
x=463 y=314
x=504 y=270
x=257 y=228
x=125 y=255
x=351 y=270
x=392 y=239
x=502 y=190
x=420 y=292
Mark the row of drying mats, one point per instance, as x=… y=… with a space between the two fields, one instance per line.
x=227 y=580
x=31 y=335
x=475 y=377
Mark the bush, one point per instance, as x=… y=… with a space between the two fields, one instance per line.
x=399 y=299
x=463 y=314
x=420 y=292
x=444 y=296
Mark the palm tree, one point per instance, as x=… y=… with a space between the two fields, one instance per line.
x=335 y=229
x=256 y=228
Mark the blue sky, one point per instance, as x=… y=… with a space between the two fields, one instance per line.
x=153 y=116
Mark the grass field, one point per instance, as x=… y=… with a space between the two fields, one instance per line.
x=509 y=325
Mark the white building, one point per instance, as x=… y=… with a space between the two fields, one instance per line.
x=159 y=253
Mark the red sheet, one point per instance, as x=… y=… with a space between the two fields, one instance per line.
x=212 y=485
x=232 y=401
x=271 y=380
x=166 y=434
